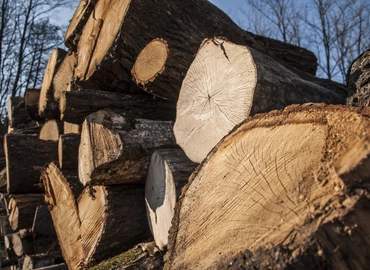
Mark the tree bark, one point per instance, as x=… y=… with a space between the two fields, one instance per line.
x=39 y=261
x=116 y=150
x=358 y=81
x=17 y=113
x=60 y=266
x=25 y=155
x=77 y=23
x=51 y=130
x=22 y=208
x=113 y=220
x=48 y=106
x=31 y=98
x=63 y=77
x=76 y=105
x=4 y=226
x=225 y=84
x=62 y=188
x=68 y=150
x=273 y=181
x=23 y=243
x=168 y=172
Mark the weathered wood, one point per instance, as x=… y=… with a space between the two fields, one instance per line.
x=225 y=84
x=76 y=105
x=116 y=150
x=51 y=130
x=17 y=113
x=78 y=21
x=63 y=77
x=39 y=261
x=48 y=106
x=168 y=172
x=31 y=99
x=22 y=208
x=113 y=220
x=62 y=188
x=23 y=243
x=25 y=154
x=70 y=128
x=358 y=81
x=68 y=150
x=272 y=181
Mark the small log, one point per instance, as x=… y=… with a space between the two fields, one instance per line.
x=78 y=21
x=48 y=106
x=113 y=220
x=62 y=188
x=273 y=182
x=17 y=113
x=23 y=243
x=76 y=105
x=70 y=128
x=68 y=150
x=168 y=172
x=358 y=81
x=22 y=208
x=62 y=80
x=51 y=130
x=38 y=261
x=225 y=84
x=116 y=150
x=25 y=154
x=31 y=98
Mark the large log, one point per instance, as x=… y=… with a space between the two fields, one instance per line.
x=51 y=130
x=78 y=21
x=25 y=154
x=62 y=188
x=168 y=172
x=17 y=113
x=113 y=220
x=273 y=180
x=68 y=150
x=358 y=81
x=22 y=208
x=63 y=77
x=31 y=99
x=48 y=106
x=76 y=105
x=225 y=84
x=116 y=150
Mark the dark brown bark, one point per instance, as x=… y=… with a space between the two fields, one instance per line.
x=51 y=130
x=17 y=113
x=23 y=243
x=32 y=97
x=60 y=266
x=76 y=105
x=38 y=261
x=68 y=150
x=3 y=179
x=4 y=226
x=116 y=150
x=25 y=155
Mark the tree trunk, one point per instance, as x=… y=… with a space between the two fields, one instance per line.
x=25 y=155
x=17 y=113
x=68 y=150
x=113 y=220
x=38 y=261
x=31 y=98
x=76 y=105
x=358 y=81
x=116 y=150
x=273 y=181
x=51 y=130
x=168 y=172
x=70 y=128
x=77 y=23
x=22 y=208
x=225 y=84
x=23 y=243
x=62 y=188
x=62 y=80
x=48 y=106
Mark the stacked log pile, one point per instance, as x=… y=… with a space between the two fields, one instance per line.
x=162 y=124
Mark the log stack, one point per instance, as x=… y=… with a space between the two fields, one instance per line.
x=162 y=124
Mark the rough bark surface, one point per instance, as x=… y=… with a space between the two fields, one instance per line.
x=168 y=172
x=113 y=220
x=51 y=130
x=31 y=99
x=25 y=156
x=63 y=77
x=273 y=181
x=17 y=113
x=39 y=261
x=225 y=84
x=116 y=150
x=358 y=81
x=76 y=105
x=68 y=150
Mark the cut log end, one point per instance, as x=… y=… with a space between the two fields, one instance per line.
x=150 y=62
x=51 y=130
x=218 y=88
